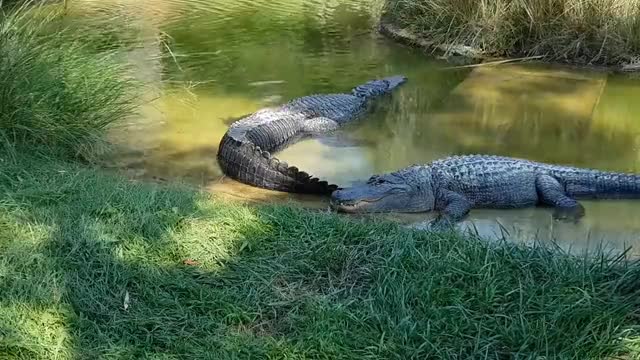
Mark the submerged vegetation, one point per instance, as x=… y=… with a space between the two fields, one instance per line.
x=94 y=265
x=601 y=32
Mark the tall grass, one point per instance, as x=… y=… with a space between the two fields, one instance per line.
x=55 y=91
x=574 y=31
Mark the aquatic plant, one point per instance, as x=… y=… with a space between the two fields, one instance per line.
x=55 y=91
x=572 y=31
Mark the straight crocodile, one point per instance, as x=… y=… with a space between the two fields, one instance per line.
x=453 y=186
x=245 y=151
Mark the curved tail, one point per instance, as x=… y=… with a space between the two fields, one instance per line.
x=379 y=87
x=247 y=163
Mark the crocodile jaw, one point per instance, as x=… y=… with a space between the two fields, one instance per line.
x=373 y=199
x=395 y=81
x=356 y=205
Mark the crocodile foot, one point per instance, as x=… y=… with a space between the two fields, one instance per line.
x=569 y=214
x=442 y=223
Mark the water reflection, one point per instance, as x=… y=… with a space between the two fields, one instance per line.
x=210 y=62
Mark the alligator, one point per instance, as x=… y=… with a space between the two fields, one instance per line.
x=454 y=185
x=245 y=150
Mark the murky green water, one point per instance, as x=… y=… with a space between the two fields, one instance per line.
x=210 y=61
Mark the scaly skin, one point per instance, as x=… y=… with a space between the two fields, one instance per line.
x=245 y=150
x=455 y=185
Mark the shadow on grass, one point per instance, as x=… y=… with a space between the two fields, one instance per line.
x=94 y=266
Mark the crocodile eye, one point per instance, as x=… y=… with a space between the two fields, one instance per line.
x=375 y=180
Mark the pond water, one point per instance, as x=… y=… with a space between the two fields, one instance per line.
x=209 y=62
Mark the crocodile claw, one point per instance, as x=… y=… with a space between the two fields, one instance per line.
x=569 y=214
x=442 y=223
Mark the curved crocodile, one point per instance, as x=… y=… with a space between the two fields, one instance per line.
x=455 y=185
x=245 y=150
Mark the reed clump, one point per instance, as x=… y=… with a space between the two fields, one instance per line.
x=56 y=92
x=594 y=32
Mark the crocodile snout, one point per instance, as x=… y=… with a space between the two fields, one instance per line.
x=395 y=81
x=350 y=200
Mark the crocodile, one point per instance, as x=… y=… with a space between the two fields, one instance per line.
x=454 y=185
x=245 y=150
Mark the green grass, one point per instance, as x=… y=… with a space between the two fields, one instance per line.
x=55 y=91
x=601 y=32
x=207 y=279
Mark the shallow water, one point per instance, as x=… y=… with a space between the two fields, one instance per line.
x=209 y=62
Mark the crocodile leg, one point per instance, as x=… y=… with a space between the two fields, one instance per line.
x=552 y=193
x=455 y=208
x=323 y=125
x=320 y=125
x=341 y=139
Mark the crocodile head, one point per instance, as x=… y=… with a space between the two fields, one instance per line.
x=395 y=81
x=392 y=192
x=379 y=87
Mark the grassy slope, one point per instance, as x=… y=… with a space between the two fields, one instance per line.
x=273 y=282
x=574 y=31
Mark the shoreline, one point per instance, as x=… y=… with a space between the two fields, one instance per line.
x=465 y=56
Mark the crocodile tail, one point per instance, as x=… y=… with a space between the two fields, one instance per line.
x=595 y=184
x=378 y=87
x=247 y=163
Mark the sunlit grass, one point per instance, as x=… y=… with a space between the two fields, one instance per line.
x=574 y=31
